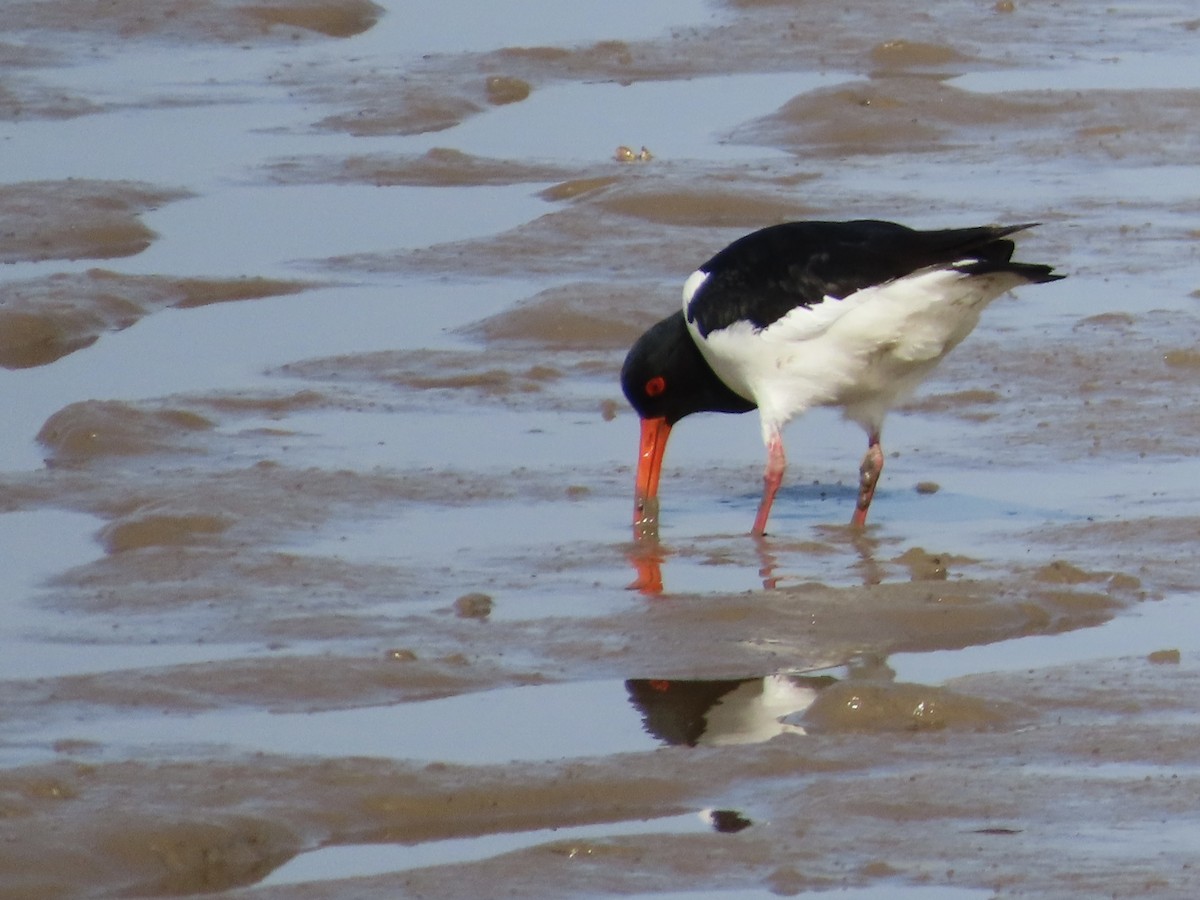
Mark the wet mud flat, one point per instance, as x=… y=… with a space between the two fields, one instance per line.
x=316 y=477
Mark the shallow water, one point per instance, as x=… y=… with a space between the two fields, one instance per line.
x=1129 y=71
x=534 y=723
x=372 y=859
x=315 y=485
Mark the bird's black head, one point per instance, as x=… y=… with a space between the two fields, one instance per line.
x=665 y=376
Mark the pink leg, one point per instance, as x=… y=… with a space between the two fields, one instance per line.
x=772 y=478
x=868 y=477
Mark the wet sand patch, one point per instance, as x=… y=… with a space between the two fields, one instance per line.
x=281 y=682
x=77 y=219
x=605 y=230
x=855 y=709
x=1151 y=546
x=704 y=208
x=806 y=627
x=445 y=90
x=153 y=529
x=92 y=429
x=584 y=316
x=913 y=114
x=438 y=167
x=332 y=18
x=427 y=378
x=389 y=802
x=45 y=319
x=405 y=109
x=207 y=20
x=907 y=55
x=805 y=797
x=218 y=531
x=1053 y=393
x=23 y=98
x=884 y=115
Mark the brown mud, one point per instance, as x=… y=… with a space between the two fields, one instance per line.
x=44 y=319
x=206 y=574
x=76 y=219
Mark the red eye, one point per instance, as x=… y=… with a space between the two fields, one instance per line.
x=656 y=386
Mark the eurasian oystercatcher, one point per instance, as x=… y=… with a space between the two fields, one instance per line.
x=845 y=314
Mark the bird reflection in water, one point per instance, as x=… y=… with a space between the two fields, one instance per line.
x=723 y=712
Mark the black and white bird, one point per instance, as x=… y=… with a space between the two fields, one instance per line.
x=852 y=315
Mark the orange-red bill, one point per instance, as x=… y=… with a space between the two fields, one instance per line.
x=650 y=457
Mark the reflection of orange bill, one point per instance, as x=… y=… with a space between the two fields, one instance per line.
x=647 y=563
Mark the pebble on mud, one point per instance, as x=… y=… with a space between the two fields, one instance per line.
x=503 y=89
x=77 y=219
x=160 y=530
x=400 y=654
x=575 y=187
x=928 y=487
x=923 y=566
x=340 y=19
x=473 y=606
x=1121 y=581
x=626 y=155
x=728 y=821
x=902 y=54
x=89 y=429
x=1062 y=572
x=1164 y=657
x=1114 y=320
x=1182 y=359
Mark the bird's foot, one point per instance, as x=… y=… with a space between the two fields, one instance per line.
x=868 y=477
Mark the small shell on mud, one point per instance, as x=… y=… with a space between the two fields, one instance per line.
x=923 y=566
x=626 y=154
x=1182 y=359
x=473 y=606
x=1164 y=657
x=502 y=90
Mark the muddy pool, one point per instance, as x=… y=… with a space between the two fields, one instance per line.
x=316 y=477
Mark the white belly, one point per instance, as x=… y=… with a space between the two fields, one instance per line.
x=864 y=353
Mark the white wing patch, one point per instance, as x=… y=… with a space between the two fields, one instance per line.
x=806 y=323
x=915 y=318
x=690 y=287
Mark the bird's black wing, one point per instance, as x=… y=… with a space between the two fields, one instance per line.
x=761 y=277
